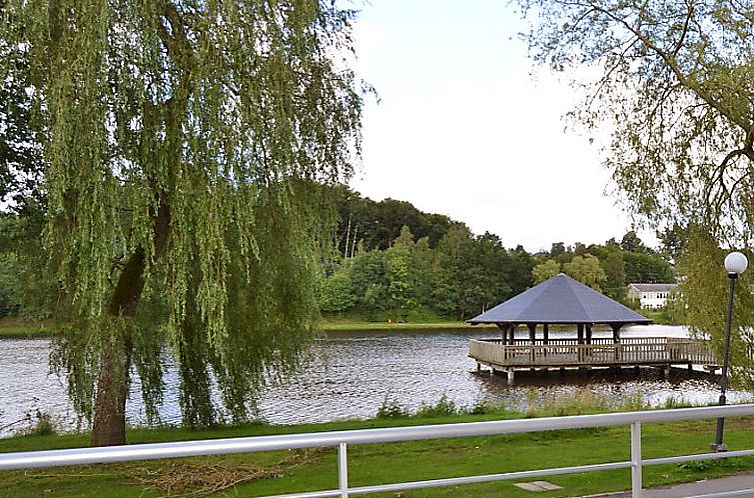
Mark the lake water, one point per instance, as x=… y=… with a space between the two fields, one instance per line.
x=351 y=374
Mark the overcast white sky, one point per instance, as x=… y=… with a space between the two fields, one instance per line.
x=464 y=128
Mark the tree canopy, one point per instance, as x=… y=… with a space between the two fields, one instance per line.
x=180 y=142
x=676 y=86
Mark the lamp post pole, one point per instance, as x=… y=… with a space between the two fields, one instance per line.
x=735 y=264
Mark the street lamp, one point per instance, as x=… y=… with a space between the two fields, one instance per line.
x=735 y=264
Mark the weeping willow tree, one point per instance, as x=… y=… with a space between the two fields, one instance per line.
x=182 y=144
x=675 y=85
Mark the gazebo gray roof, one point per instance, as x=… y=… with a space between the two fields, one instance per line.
x=560 y=300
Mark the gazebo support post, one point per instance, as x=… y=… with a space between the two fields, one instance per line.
x=580 y=333
x=512 y=332
x=616 y=331
x=532 y=340
x=503 y=332
x=546 y=333
x=588 y=333
x=511 y=376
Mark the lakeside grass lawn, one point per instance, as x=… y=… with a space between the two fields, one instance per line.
x=306 y=470
x=17 y=329
x=25 y=331
x=353 y=326
x=35 y=330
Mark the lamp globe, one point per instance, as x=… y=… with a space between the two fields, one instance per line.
x=735 y=263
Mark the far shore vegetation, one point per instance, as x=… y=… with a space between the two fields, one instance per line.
x=271 y=473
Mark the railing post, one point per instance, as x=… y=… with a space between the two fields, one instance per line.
x=636 y=460
x=343 y=470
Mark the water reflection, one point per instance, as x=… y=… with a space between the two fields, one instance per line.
x=351 y=374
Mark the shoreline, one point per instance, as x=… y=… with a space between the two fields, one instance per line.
x=19 y=330
x=34 y=331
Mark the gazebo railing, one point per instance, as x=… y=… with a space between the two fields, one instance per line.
x=574 y=341
x=567 y=352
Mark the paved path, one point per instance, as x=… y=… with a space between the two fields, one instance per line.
x=741 y=486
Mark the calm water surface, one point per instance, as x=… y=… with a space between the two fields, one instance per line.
x=351 y=374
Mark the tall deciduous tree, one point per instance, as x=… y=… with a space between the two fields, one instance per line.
x=546 y=269
x=180 y=140
x=398 y=273
x=587 y=270
x=676 y=86
x=703 y=302
x=21 y=166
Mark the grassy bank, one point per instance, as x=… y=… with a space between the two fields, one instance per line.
x=26 y=330
x=34 y=331
x=301 y=470
x=347 y=325
x=21 y=329
x=660 y=317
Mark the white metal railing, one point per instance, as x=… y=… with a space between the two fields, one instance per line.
x=341 y=440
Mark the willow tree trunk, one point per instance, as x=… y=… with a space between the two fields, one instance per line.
x=109 y=423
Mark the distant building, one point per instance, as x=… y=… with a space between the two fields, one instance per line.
x=651 y=296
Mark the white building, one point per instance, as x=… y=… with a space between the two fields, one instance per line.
x=651 y=295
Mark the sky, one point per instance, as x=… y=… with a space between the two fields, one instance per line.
x=468 y=126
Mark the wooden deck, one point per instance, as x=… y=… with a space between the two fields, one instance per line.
x=649 y=351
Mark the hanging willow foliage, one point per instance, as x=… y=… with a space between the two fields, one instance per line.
x=183 y=143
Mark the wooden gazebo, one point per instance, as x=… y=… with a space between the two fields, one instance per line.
x=562 y=300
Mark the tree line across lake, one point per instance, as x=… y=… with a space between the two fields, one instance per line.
x=389 y=260
x=394 y=261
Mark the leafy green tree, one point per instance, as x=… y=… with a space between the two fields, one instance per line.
x=367 y=269
x=20 y=155
x=632 y=243
x=398 y=272
x=378 y=224
x=545 y=270
x=485 y=275
x=374 y=300
x=647 y=268
x=25 y=286
x=673 y=240
x=615 y=275
x=587 y=270
x=447 y=267
x=522 y=266
x=703 y=300
x=336 y=294
x=10 y=286
x=675 y=86
x=557 y=249
x=472 y=273
x=422 y=272
x=181 y=142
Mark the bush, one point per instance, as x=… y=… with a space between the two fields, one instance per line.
x=390 y=408
x=673 y=402
x=487 y=407
x=634 y=403
x=44 y=425
x=583 y=401
x=443 y=407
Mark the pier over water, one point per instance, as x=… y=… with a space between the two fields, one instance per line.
x=562 y=300
x=568 y=353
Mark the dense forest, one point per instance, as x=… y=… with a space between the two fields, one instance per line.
x=396 y=262
x=391 y=261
